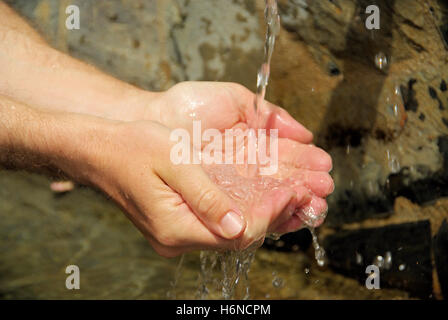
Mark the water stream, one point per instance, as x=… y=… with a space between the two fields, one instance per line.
x=273 y=29
x=228 y=272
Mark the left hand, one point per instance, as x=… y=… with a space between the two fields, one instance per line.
x=229 y=105
x=220 y=105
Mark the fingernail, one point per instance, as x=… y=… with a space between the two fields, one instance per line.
x=232 y=224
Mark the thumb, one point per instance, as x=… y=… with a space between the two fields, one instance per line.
x=211 y=205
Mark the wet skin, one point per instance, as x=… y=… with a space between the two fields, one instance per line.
x=63 y=115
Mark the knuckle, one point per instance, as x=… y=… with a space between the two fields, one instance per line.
x=327 y=162
x=165 y=252
x=167 y=239
x=208 y=202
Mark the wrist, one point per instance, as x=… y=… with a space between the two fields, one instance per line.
x=137 y=105
x=76 y=145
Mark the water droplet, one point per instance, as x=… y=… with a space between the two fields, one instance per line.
x=383 y=262
x=388 y=260
x=358 y=258
x=273 y=236
x=319 y=252
x=280 y=244
x=379 y=261
x=393 y=163
x=277 y=282
x=381 y=60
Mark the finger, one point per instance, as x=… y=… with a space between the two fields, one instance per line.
x=272 y=116
x=318 y=182
x=274 y=204
x=301 y=197
x=212 y=206
x=292 y=225
x=314 y=213
x=164 y=251
x=304 y=156
x=176 y=228
x=311 y=215
x=275 y=117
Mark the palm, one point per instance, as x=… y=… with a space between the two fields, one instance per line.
x=222 y=106
x=302 y=167
x=213 y=104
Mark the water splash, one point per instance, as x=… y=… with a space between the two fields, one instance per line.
x=171 y=294
x=273 y=29
x=393 y=162
x=235 y=265
x=381 y=61
x=395 y=108
x=277 y=282
x=319 y=251
x=383 y=262
x=234 y=269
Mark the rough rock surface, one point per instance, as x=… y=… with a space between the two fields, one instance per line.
x=401 y=251
x=330 y=82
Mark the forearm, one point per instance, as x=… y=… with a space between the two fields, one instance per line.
x=38 y=75
x=57 y=144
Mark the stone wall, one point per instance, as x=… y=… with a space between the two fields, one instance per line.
x=386 y=128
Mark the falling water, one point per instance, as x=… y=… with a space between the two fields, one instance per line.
x=319 y=252
x=235 y=265
x=234 y=269
x=381 y=60
x=171 y=294
x=273 y=29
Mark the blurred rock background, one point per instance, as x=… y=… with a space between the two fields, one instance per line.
x=386 y=128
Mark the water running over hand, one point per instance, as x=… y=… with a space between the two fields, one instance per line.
x=273 y=29
x=235 y=265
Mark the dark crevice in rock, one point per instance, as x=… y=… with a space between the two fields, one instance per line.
x=445 y=122
x=353 y=207
x=444 y=32
x=333 y=69
x=414 y=44
x=421 y=117
x=299 y=240
x=441 y=257
x=420 y=191
x=339 y=136
x=432 y=92
x=408 y=93
x=349 y=252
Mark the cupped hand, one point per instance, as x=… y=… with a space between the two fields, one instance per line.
x=177 y=207
x=220 y=105
x=228 y=105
